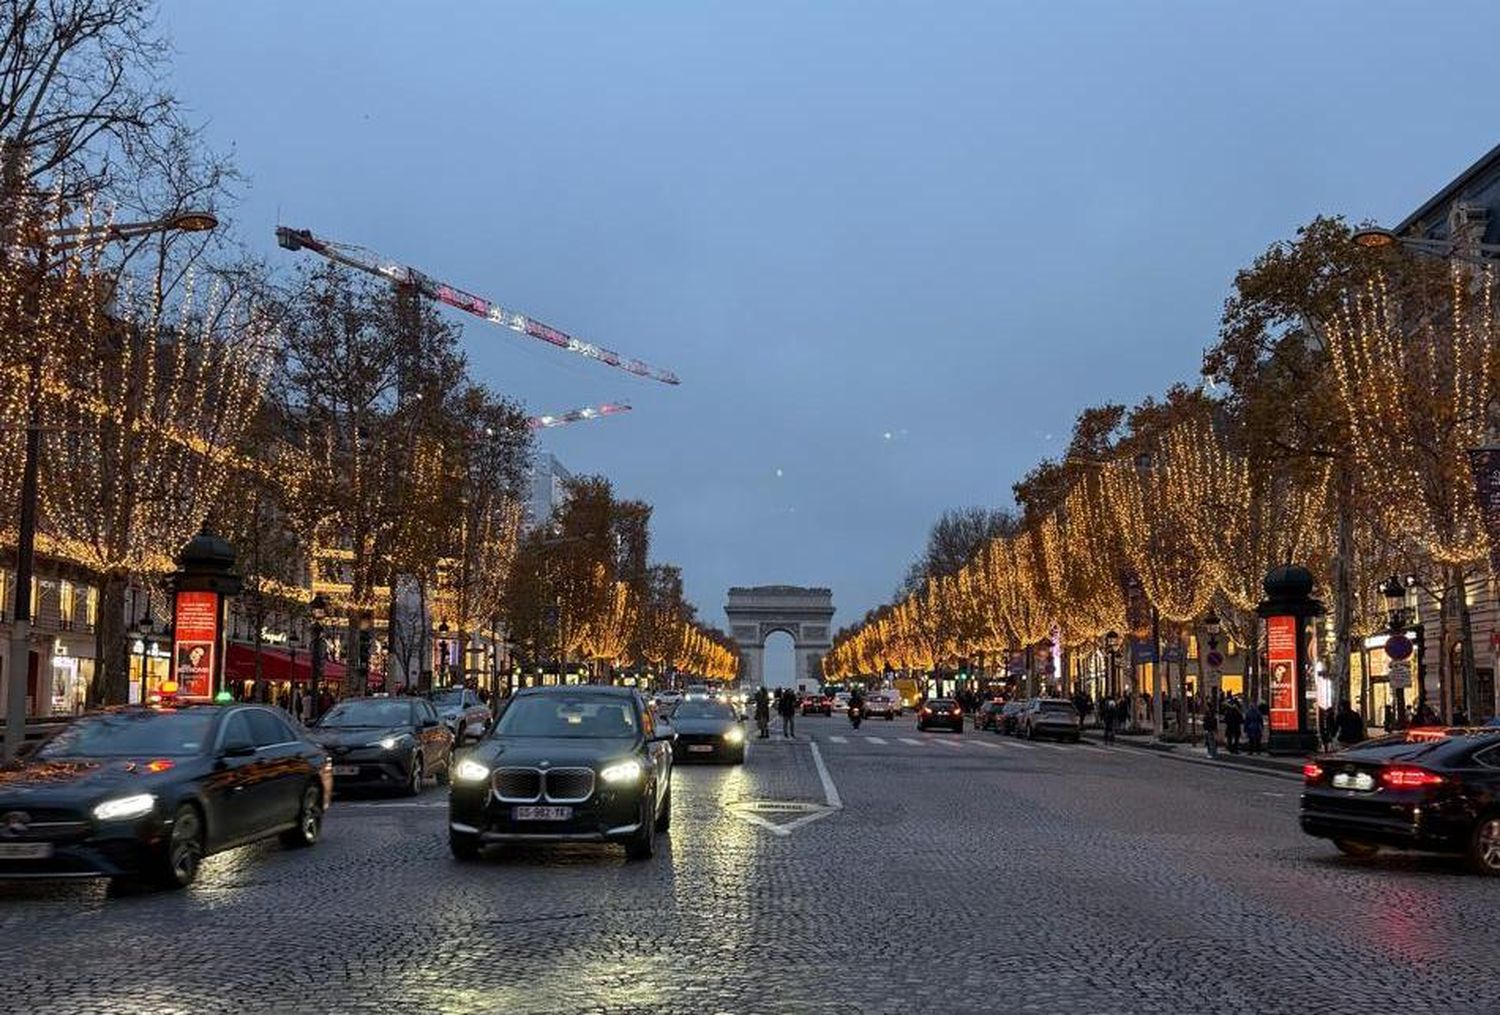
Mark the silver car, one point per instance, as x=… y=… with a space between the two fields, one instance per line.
x=882 y=704
x=1050 y=717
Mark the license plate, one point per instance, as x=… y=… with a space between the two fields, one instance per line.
x=1354 y=780
x=345 y=769
x=25 y=850
x=700 y=748
x=541 y=813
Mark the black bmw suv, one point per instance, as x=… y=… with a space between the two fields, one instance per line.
x=565 y=764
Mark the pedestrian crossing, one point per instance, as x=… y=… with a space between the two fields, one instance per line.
x=941 y=744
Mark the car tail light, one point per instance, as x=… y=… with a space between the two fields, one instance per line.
x=159 y=765
x=1312 y=772
x=1407 y=777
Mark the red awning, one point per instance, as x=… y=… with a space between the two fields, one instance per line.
x=275 y=664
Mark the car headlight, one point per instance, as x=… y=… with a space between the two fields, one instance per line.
x=390 y=743
x=469 y=770
x=624 y=771
x=135 y=806
x=734 y=736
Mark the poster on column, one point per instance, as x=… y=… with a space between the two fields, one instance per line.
x=1281 y=654
x=195 y=633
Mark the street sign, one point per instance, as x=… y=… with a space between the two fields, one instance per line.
x=1399 y=675
x=1215 y=658
x=1398 y=646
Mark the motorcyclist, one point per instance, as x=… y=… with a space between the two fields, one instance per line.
x=856 y=705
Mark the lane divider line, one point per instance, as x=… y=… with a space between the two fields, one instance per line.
x=830 y=791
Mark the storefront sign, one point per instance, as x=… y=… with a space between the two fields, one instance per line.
x=195 y=636
x=1281 y=654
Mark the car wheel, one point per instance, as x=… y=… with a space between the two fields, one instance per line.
x=177 y=864
x=1484 y=846
x=642 y=845
x=309 y=820
x=414 y=776
x=1354 y=848
x=664 y=816
x=464 y=845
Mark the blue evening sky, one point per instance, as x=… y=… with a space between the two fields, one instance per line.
x=891 y=248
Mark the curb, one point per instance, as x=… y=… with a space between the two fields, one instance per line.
x=1291 y=768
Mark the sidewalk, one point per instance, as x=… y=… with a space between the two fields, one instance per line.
x=1279 y=765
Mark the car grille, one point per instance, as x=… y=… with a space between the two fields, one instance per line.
x=570 y=785
x=518 y=784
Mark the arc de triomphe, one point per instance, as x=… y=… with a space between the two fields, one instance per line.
x=760 y=611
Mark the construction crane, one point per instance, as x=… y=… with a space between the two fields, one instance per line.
x=408 y=278
x=577 y=415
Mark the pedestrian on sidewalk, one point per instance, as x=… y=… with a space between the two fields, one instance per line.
x=1211 y=732
x=787 y=706
x=1233 y=721
x=1109 y=717
x=1255 y=725
x=763 y=712
x=1349 y=726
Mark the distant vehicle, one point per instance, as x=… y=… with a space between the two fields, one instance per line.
x=882 y=704
x=668 y=700
x=385 y=743
x=462 y=712
x=988 y=716
x=841 y=702
x=565 y=764
x=708 y=731
x=943 y=713
x=1413 y=790
x=1009 y=720
x=145 y=794
x=1050 y=717
x=816 y=704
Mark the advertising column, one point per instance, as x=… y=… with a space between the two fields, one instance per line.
x=1281 y=657
x=195 y=643
x=1286 y=609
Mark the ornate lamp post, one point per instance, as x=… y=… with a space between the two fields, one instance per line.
x=145 y=627
x=319 y=609
x=1398 y=647
x=1112 y=662
x=1213 y=658
x=440 y=671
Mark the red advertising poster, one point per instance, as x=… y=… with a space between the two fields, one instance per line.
x=195 y=636
x=1281 y=654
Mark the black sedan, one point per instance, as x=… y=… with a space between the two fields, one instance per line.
x=941 y=713
x=988 y=716
x=146 y=794
x=708 y=731
x=1435 y=791
x=565 y=764
x=385 y=743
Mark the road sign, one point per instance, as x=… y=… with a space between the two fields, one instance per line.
x=1399 y=675
x=1215 y=658
x=1398 y=646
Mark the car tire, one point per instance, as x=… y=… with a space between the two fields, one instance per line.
x=414 y=777
x=1355 y=848
x=465 y=846
x=177 y=864
x=642 y=844
x=664 y=816
x=309 y=820
x=1483 y=851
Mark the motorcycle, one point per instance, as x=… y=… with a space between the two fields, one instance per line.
x=855 y=715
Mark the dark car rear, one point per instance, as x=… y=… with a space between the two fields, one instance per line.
x=1434 y=791
x=988 y=716
x=941 y=713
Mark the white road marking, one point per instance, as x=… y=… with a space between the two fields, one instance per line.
x=1018 y=745
x=830 y=792
x=875 y=740
x=1052 y=747
x=945 y=743
x=911 y=742
x=838 y=740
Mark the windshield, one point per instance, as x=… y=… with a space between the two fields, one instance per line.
x=368 y=712
x=703 y=710
x=573 y=716
x=450 y=697
x=940 y=703
x=131 y=734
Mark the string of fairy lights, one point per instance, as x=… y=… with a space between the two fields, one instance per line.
x=1192 y=519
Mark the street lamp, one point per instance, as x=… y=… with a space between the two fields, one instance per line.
x=1379 y=238
x=319 y=609
x=20 y=638
x=442 y=666
x=145 y=627
x=1212 y=626
x=1112 y=655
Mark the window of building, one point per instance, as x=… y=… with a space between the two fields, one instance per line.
x=36 y=597
x=65 y=603
x=91 y=606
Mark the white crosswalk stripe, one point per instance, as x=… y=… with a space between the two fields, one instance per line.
x=945 y=743
x=910 y=742
x=875 y=740
x=839 y=740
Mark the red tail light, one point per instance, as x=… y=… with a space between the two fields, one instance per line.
x=1407 y=777
x=1312 y=772
x=159 y=765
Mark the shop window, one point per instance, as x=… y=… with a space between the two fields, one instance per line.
x=5 y=593
x=90 y=606
x=36 y=597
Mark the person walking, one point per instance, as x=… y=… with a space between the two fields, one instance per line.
x=1234 y=720
x=763 y=712
x=1349 y=727
x=1254 y=727
x=787 y=706
x=1109 y=715
x=1211 y=732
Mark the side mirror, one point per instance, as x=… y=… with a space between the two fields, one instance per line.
x=428 y=724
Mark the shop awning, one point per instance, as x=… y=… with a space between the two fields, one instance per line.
x=276 y=664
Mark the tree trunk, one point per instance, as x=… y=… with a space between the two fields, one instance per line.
x=111 y=645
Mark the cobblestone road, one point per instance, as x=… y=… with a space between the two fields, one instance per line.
x=962 y=874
